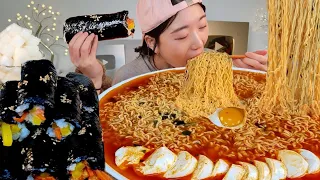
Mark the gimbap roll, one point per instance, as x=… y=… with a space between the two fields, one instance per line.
x=36 y=92
x=106 y=26
x=86 y=151
x=10 y=127
x=67 y=110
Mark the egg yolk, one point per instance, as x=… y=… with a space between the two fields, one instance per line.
x=231 y=116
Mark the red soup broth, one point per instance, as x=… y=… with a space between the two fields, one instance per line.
x=112 y=142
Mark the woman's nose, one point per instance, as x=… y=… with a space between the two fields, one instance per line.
x=196 y=42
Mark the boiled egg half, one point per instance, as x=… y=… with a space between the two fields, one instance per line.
x=184 y=166
x=236 y=172
x=296 y=165
x=231 y=117
x=159 y=162
x=251 y=171
x=204 y=168
x=263 y=170
x=129 y=155
x=312 y=159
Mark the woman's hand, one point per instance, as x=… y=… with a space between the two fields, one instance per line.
x=83 y=49
x=254 y=60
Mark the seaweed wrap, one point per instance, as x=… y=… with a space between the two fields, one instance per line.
x=10 y=163
x=66 y=119
x=36 y=92
x=8 y=101
x=10 y=127
x=106 y=26
x=86 y=153
x=41 y=157
x=88 y=94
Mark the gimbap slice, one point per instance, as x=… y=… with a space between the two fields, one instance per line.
x=40 y=154
x=10 y=128
x=87 y=91
x=36 y=92
x=67 y=110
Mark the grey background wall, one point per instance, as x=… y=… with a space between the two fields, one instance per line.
x=220 y=10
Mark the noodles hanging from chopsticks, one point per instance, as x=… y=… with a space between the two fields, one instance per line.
x=209 y=85
x=293 y=67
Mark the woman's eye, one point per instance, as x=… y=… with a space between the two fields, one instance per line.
x=181 y=38
x=203 y=27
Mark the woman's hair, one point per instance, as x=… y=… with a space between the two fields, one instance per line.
x=144 y=50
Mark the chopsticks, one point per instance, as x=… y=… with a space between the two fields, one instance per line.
x=237 y=56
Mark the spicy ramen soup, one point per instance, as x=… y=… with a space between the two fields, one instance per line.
x=143 y=113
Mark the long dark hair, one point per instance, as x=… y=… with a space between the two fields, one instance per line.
x=144 y=50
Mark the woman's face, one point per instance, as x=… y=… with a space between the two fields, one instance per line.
x=184 y=38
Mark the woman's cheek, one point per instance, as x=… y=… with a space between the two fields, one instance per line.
x=180 y=54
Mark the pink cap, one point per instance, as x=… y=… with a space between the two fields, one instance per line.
x=151 y=13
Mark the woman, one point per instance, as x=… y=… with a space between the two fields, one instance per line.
x=174 y=31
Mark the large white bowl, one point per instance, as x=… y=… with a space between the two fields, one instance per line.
x=108 y=168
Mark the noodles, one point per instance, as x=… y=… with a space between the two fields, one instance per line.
x=293 y=69
x=208 y=85
x=147 y=116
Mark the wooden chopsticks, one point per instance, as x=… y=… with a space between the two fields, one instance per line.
x=237 y=56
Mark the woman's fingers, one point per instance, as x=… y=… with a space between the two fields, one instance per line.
x=261 y=52
x=255 y=64
x=86 y=46
x=75 y=48
x=74 y=55
x=94 y=47
x=74 y=39
x=240 y=64
x=258 y=57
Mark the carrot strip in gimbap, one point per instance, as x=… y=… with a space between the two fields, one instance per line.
x=90 y=172
x=22 y=118
x=58 y=134
x=102 y=175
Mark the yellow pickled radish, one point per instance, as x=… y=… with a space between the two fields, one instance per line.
x=77 y=173
x=65 y=131
x=80 y=166
x=36 y=120
x=33 y=110
x=6 y=134
x=15 y=129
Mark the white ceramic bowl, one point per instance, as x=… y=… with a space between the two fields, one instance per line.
x=108 y=168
